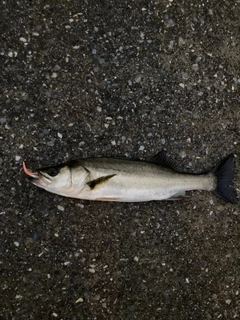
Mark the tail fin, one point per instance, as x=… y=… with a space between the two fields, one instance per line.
x=225 y=174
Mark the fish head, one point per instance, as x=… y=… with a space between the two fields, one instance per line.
x=55 y=179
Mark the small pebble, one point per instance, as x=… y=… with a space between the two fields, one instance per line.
x=195 y=67
x=158 y=108
x=17 y=158
x=138 y=79
x=91 y=270
x=183 y=154
x=57 y=67
x=80 y=205
x=50 y=143
x=169 y=23
x=38 y=27
x=103 y=84
x=181 y=41
x=22 y=39
x=79 y=300
x=101 y=60
x=60 y=208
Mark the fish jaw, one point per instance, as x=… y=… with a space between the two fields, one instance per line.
x=41 y=181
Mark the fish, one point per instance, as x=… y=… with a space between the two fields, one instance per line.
x=127 y=180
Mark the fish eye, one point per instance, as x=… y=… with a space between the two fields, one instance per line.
x=52 y=172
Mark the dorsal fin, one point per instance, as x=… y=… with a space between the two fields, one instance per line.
x=95 y=183
x=163 y=159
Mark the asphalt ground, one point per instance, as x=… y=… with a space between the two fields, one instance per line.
x=109 y=78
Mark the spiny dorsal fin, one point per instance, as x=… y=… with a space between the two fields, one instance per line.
x=95 y=183
x=163 y=159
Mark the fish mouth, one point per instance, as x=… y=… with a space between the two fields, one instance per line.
x=36 y=177
x=31 y=174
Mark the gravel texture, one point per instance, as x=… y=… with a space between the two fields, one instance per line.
x=107 y=78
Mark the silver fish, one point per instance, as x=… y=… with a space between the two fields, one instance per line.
x=125 y=180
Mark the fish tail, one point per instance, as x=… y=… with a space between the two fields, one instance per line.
x=225 y=174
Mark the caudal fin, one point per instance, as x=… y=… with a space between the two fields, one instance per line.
x=225 y=174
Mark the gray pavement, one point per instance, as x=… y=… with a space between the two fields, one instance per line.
x=109 y=78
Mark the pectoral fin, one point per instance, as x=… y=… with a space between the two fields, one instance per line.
x=99 y=181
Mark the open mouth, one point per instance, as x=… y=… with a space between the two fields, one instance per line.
x=29 y=173
x=37 y=178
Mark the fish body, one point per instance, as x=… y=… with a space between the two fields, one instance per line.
x=123 y=180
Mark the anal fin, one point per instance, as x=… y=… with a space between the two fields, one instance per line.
x=177 y=196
